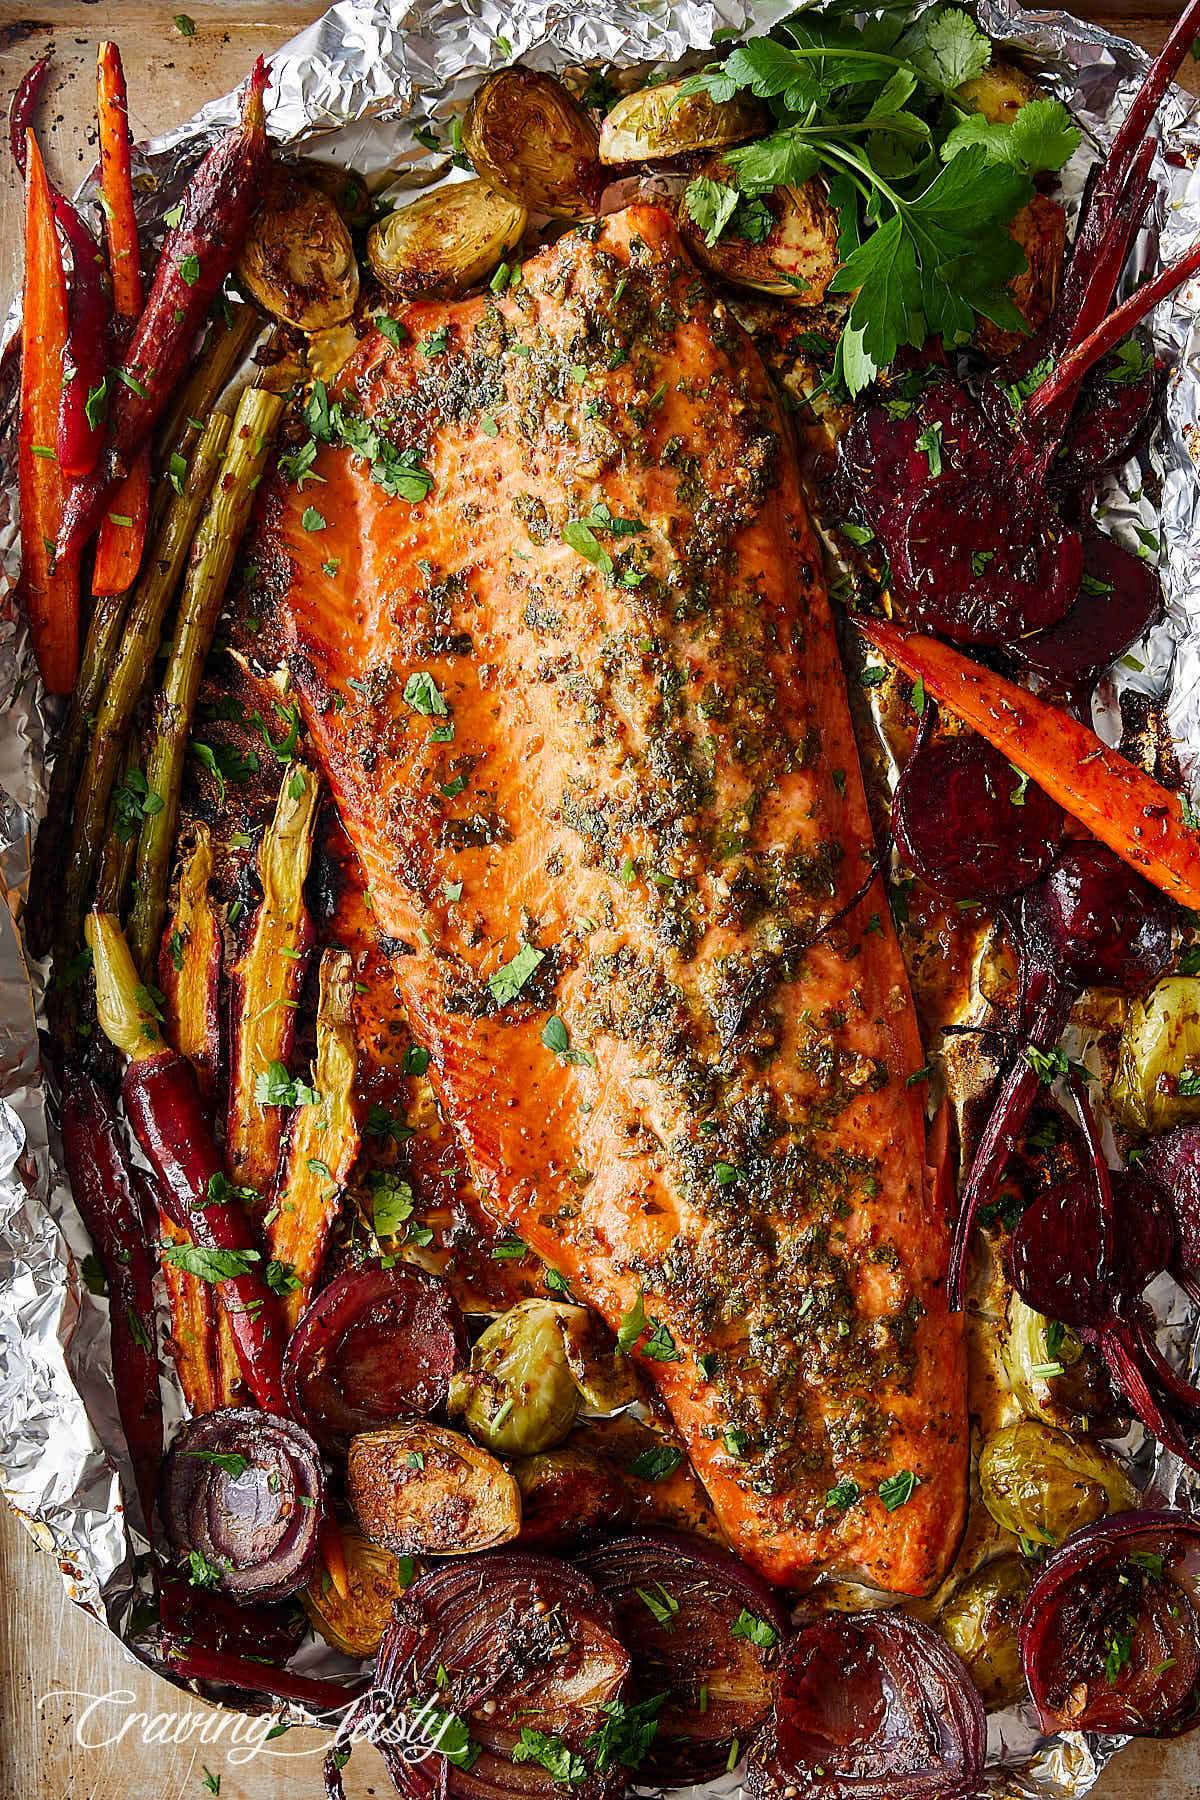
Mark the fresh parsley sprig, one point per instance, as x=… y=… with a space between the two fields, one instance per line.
x=923 y=188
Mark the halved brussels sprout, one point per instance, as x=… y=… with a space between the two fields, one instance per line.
x=444 y=242
x=330 y=351
x=979 y=1622
x=419 y=1489
x=999 y=93
x=530 y=141
x=348 y=191
x=1157 y=1083
x=605 y=1380
x=566 y=1493
x=354 y=1624
x=1053 y=1376
x=783 y=243
x=1041 y=1484
x=519 y=1395
x=662 y=121
x=297 y=260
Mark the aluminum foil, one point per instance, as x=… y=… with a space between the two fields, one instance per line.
x=353 y=89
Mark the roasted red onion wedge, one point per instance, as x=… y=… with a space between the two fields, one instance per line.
x=871 y=1706
x=703 y=1631
x=1086 y=921
x=241 y=1500
x=969 y=824
x=1110 y=1639
x=519 y=1654
x=375 y=1347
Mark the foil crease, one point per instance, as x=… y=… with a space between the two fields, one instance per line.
x=353 y=89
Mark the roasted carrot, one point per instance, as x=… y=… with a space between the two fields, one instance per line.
x=265 y=984
x=83 y=403
x=50 y=584
x=196 y=257
x=120 y=545
x=189 y=965
x=1152 y=830
x=322 y=1143
x=194 y=1314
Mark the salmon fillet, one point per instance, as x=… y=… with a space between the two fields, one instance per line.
x=582 y=712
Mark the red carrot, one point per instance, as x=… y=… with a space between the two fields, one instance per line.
x=122 y=537
x=1150 y=829
x=195 y=260
x=50 y=584
x=111 y=1208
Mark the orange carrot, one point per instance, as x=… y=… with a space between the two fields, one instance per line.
x=1152 y=830
x=122 y=537
x=50 y=585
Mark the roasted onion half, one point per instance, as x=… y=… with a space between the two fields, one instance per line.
x=495 y=1678
x=241 y=1500
x=297 y=260
x=530 y=141
x=704 y=1633
x=871 y=1706
x=1110 y=1631
x=445 y=242
x=376 y=1346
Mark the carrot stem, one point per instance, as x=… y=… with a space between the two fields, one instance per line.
x=1150 y=829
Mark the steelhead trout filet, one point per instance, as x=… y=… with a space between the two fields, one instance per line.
x=555 y=616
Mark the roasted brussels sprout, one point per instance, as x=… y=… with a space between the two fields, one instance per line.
x=1000 y=92
x=530 y=141
x=297 y=260
x=422 y=1490
x=566 y=1493
x=446 y=241
x=604 y=1377
x=659 y=122
x=348 y=191
x=354 y=1624
x=979 y=1622
x=1053 y=1376
x=519 y=1395
x=1157 y=1084
x=783 y=243
x=1041 y=1484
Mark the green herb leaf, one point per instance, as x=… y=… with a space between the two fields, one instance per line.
x=511 y=976
x=656 y=1462
x=208 y=1265
x=898 y=1489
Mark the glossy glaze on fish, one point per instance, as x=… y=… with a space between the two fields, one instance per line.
x=581 y=707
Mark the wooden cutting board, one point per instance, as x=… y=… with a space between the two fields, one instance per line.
x=60 y=1739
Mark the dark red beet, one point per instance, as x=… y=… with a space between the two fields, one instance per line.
x=1095 y=923
x=1172 y=1163
x=1112 y=412
x=1119 y=599
x=1056 y=1259
x=969 y=825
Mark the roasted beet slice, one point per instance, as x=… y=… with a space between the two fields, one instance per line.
x=1113 y=410
x=984 y=561
x=1119 y=599
x=703 y=1631
x=969 y=824
x=376 y=1347
x=1095 y=923
x=871 y=1706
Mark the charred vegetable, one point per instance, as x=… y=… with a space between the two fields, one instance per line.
x=784 y=242
x=1157 y=1083
x=508 y=1668
x=1041 y=1484
x=418 y=1489
x=297 y=260
x=530 y=142
x=445 y=242
x=241 y=1500
x=1054 y=1376
x=567 y=1493
x=868 y=1704
x=189 y=963
x=979 y=1622
x=1110 y=1637
x=704 y=1634
x=519 y=1395
x=355 y=1622
x=376 y=1347
x=660 y=122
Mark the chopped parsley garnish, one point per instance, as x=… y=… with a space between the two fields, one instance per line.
x=656 y=1462
x=274 y=1087
x=755 y=1631
x=898 y=1489
x=511 y=976
x=563 y=1764
x=208 y=1265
